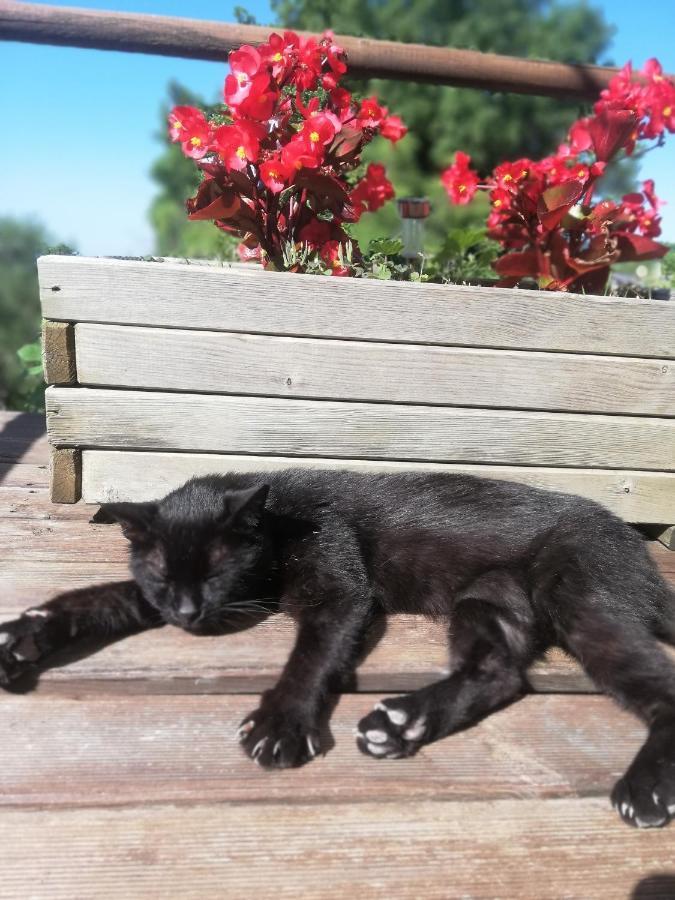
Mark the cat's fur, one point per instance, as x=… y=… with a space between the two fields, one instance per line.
x=512 y=569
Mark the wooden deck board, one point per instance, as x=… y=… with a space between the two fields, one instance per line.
x=428 y=850
x=111 y=750
x=114 y=782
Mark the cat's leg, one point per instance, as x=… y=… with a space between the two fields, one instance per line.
x=629 y=664
x=99 y=611
x=284 y=730
x=493 y=644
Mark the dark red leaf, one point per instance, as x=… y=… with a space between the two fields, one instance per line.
x=517 y=264
x=635 y=247
x=556 y=202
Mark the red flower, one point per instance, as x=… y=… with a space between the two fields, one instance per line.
x=370 y=113
x=372 y=191
x=275 y=175
x=393 y=129
x=260 y=100
x=296 y=156
x=188 y=125
x=315 y=233
x=459 y=180
x=245 y=64
x=238 y=144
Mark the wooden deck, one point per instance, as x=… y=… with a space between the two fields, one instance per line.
x=121 y=777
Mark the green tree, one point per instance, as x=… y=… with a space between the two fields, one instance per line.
x=491 y=127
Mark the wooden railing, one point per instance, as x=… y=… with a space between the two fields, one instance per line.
x=196 y=39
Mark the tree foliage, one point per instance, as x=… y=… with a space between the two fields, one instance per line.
x=21 y=242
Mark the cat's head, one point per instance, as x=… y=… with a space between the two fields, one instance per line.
x=192 y=552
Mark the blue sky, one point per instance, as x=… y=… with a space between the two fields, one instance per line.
x=82 y=124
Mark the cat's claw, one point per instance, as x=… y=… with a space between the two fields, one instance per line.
x=391 y=732
x=278 y=740
x=642 y=805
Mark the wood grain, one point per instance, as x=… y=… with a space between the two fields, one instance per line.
x=58 y=352
x=111 y=750
x=438 y=850
x=198 y=39
x=224 y=363
x=65 y=475
x=138 y=420
x=252 y=301
x=115 y=475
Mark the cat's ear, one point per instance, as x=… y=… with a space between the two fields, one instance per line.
x=136 y=519
x=245 y=508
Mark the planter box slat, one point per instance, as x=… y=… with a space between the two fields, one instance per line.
x=144 y=420
x=114 y=475
x=234 y=299
x=220 y=362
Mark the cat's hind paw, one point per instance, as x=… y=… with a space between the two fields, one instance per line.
x=391 y=731
x=277 y=739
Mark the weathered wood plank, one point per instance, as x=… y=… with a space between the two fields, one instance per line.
x=529 y=849
x=218 y=362
x=114 y=750
x=115 y=475
x=65 y=475
x=138 y=420
x=182 y=296
x=58 y=352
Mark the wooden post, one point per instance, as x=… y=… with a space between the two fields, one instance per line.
x=58 y=352
x=66 y=475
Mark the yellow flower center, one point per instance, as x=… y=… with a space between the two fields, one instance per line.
x=273 y=173
x=582 y=174
x=277 y=57
x=196 y=142
x=241 y=77
x=667 y=110
x=497 y=203
x=241 y=153
x=177 y=124
x=508 y=178
x=314 y=137
x=523 y=174
x=461 y=188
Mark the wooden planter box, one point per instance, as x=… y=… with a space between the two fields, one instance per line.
x=162 y=370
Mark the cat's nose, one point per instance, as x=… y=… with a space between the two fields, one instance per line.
x=187 y=608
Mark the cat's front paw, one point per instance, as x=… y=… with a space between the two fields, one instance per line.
x=393 y=729
x=21 y=645
x=278 y=738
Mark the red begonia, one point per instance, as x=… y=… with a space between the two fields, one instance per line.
x=276 y=157
x=542 y=212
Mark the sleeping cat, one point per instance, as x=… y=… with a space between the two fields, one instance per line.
x=512 y=569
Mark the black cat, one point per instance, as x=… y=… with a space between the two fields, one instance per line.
x=512 y=569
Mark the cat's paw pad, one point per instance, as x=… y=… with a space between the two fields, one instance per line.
x=644 y=799
x=392 y=730
x=19 y=646
x=278 y=740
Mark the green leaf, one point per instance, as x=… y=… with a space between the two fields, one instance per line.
x=30 y=353
x=385 y=246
